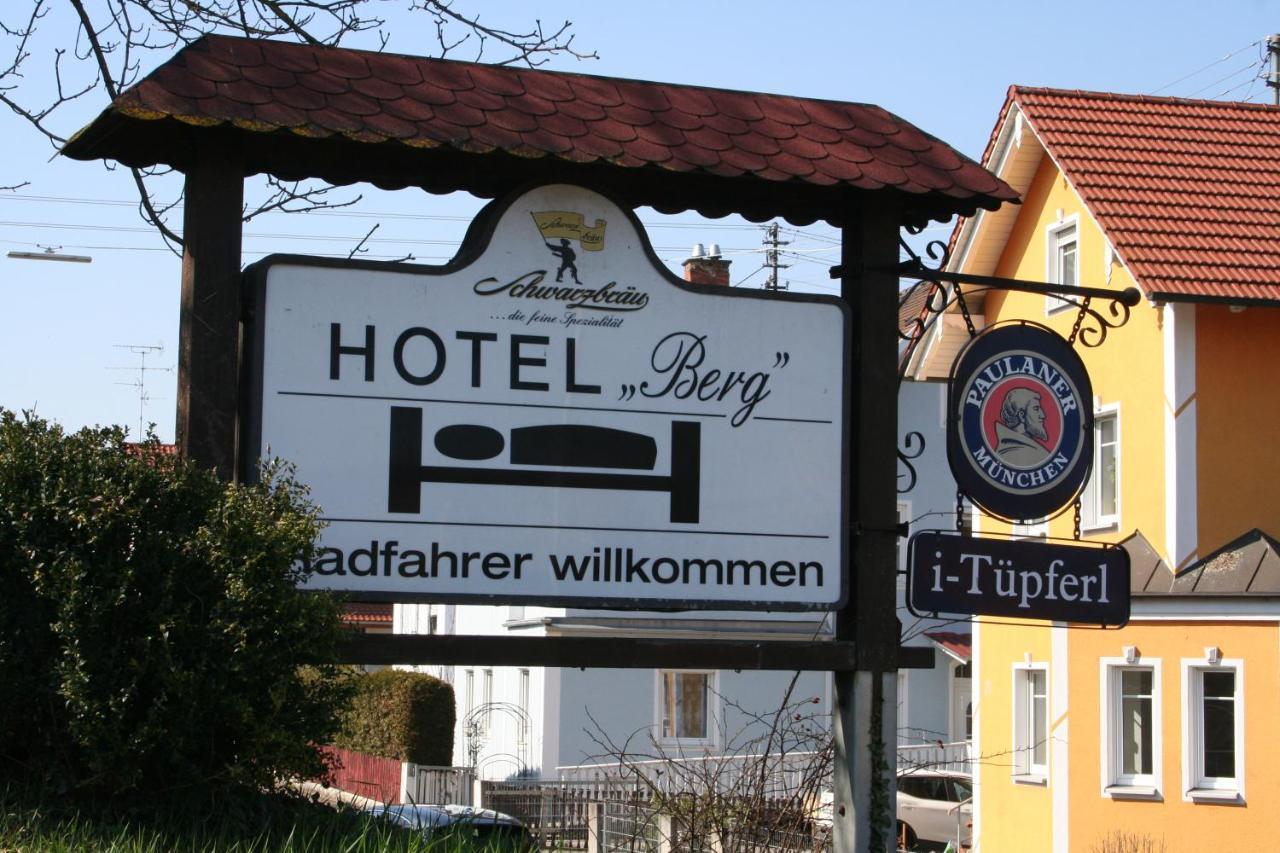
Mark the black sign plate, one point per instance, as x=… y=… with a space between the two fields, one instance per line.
x=1083 y=582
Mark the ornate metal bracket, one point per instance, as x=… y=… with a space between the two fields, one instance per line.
x=946 y=289
x=908 y=452
x=1091 y=325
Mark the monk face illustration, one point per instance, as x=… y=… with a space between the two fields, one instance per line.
x=1022 y=413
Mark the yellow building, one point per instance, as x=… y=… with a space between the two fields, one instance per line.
x=1164 y=729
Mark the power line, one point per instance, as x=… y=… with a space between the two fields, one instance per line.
x=1207 y=67
x=1248 y=67
x=358 y=214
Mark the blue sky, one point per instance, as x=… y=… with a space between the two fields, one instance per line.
x=66 y=328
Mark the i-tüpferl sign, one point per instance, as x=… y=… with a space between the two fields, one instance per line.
x=554 y=418
x=1082 y=582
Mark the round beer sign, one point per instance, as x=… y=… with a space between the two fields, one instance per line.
x=1020 y=416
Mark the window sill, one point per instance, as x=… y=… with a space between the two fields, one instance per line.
x=1215 y=795
x=1132 y=792
x=1030 y=779
x=1100 y=526
x=692 y=744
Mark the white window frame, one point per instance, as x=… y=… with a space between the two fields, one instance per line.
x=1090 y=518
x=1196 y=787
x=1025 y=770
x=713 y=711
x=1115 y=783
x=1055 y=235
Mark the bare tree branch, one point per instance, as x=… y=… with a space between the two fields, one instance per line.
x=101 y=47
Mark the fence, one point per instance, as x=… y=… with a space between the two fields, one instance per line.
x=365 y=775
x=559 y=813
x=428 y=785
x=951 y=757
x=774 y=775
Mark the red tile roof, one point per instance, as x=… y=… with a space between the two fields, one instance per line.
x=960 y=645
x=1187 y=191
x=356 y=613
x=318 y=93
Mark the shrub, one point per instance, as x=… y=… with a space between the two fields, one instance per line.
x=407 y=716
x=151 y=627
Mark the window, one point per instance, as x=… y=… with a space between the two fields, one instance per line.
x=1062 y=252
x=487 y=707
x=1033 y=529
x=1100 y=501
x=1131 y=738
x=1031 y=723
x=1213 y=728
x=685 y=706
x=524 y=706
x=469 y=694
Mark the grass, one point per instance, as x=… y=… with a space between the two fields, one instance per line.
x=284 y=824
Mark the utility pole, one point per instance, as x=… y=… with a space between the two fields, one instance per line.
x=1273 y=76
x=771 y=244
x=141 y=351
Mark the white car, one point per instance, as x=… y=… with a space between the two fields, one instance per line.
x=489 y=829
x=934 y=807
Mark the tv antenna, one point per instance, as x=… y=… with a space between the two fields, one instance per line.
x=142 y=351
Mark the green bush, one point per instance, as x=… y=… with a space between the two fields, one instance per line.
x=407 y=716
x=151 y=627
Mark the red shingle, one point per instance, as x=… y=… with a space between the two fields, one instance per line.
x=207 y=67
x=681 y=120
x=269 y=75
x=324 y=83
x=372 y=97
x=1186 y=190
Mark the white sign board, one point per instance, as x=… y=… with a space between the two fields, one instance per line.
x=554 y=418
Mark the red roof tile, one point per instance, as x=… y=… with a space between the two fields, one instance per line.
x=262 y=86
x=1185 y=190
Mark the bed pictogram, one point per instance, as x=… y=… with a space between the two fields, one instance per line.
x=546 y=449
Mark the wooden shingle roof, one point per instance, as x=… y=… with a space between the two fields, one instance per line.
x=339 y=114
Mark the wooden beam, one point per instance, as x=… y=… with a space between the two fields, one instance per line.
x=209 y=324
x=614 y=652
x=865 y=715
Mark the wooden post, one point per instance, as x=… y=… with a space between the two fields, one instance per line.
x=865 y=722
x=209 y=325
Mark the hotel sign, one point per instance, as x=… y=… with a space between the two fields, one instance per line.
x=554 y=418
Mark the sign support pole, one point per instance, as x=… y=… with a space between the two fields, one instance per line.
x=209 y=324
x=865 y=723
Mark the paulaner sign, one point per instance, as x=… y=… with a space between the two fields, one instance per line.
x=1020 y=417
x=955 y=575
x=554 y=418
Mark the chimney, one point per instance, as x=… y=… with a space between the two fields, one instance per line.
x=705 y=266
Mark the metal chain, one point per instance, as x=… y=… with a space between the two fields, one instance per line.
x=1075 y=330
x=964 y=312
x=959 y=511
x=1076 y=530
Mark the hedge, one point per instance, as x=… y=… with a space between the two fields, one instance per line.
x=151 y=623
x=407 y=716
